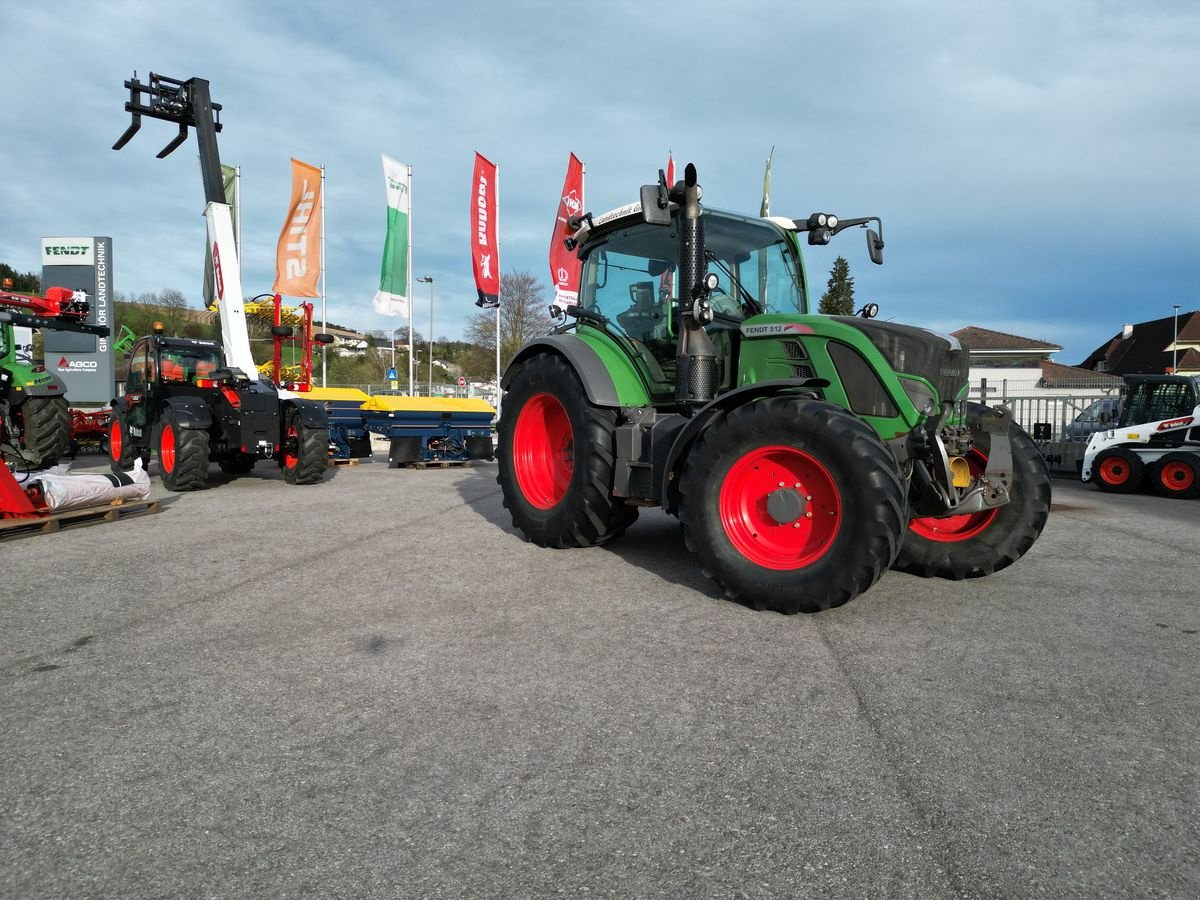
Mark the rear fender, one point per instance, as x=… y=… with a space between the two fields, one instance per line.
x=190 y=412
x=595 y=371
x=312 y=414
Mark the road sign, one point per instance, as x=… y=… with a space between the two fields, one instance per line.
x=391 y=374
x=462 y=382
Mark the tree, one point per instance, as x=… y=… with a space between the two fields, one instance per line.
x=839 y=299
x=523 y=315
x=27 y=283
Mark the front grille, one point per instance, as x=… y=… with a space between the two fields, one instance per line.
x=794 y=350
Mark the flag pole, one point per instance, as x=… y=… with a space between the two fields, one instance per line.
x=324 y=322
x=408 y=289
x=237 y=209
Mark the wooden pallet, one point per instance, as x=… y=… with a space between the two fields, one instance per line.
x=333 y=463
x=76 y=518
x=438 y=464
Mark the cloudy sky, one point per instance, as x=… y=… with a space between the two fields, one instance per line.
x=1035 y=164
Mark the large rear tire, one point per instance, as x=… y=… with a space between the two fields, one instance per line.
x=556 y=458
x=304 y=451
x=1176 y=475
x=44 y=428
x=792 y=505
x=976 y=544
x=182 y=455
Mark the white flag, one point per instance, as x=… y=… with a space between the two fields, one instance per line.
x=392 y=297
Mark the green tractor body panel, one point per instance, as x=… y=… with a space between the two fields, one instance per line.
x=629 y=385
x=609 y=377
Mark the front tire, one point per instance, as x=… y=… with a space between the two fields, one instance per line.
x=121 y=451
x=44 y=428
x=792 y=505
x=977 y=544
x=182 y=454
x=304 y=451
x=1118 y=471
x=556 y=459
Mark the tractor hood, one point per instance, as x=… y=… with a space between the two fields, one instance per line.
x=941 y=359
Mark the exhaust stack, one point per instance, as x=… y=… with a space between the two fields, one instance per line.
x=695 y=356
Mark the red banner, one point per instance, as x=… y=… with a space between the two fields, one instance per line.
x=485 y=244
x=666 y=284
x=564 y=264
x=298 y=255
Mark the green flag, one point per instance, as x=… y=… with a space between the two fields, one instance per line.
x=392 y=297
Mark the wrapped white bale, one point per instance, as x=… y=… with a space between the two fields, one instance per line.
x=72 y=491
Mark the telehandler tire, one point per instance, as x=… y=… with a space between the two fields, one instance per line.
x=976 y=544
x=120 y=448
x=304 y=452
x=556 y=457
x=182 y=454
x=792 y=505
x=45 y=428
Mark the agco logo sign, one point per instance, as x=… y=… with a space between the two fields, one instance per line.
x=84 y=366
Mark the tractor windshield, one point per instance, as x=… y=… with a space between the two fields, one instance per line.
x=183 y=365
x=631 y=275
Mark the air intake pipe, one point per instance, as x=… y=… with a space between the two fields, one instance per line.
x=695 y=355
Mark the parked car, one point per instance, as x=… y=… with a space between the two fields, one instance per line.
x=1099 y=415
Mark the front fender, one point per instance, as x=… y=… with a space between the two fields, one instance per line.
x=609 y=378
x=707 y=415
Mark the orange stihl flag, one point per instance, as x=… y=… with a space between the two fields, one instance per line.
x=298 y=257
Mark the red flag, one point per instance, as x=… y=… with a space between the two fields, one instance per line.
x=564 y=264
x=485 y=243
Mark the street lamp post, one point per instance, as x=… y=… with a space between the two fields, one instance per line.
x=1175 y=343
x=428 y=279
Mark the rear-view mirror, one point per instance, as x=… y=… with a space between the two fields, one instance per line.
x=656 y=210
x=874 y=247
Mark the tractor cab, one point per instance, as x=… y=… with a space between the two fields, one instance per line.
x=631 y=278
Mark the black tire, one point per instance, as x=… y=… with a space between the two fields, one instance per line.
x=978 y=544
x=182 y=454
x=556 y=459
x=121 y=451
x=840 y=509
x=44 y=428
x=1118 y=471
x=237 y=465
x=304 y=451
x=1176 y=475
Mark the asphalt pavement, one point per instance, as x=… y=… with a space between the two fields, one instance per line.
x=372 y=687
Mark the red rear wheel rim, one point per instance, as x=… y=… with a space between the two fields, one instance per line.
x=1114 y=471
x=543 y=451
x=755 y=533
x=951 y=529
x=166 y=449
x=114 y=440
x=1177 y=476
x=291 y=455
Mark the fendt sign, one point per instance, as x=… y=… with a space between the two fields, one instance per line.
x=83 y=361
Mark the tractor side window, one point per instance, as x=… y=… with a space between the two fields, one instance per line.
x=135 y=380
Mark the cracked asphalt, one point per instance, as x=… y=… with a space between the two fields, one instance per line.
x=372 y=687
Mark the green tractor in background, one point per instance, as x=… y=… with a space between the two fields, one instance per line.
x=35 y=423
x=803 y=454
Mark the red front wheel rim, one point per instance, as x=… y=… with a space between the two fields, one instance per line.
x=1114 y=471
x=755 y=533
x=114 y=440
x=951 y=529
x=166 y=449
x=543 y=451
x=1177 y=476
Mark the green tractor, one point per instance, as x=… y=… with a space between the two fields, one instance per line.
x=803 y=454
x=34 y=419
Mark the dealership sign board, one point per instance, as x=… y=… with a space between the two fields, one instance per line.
x=83 y=361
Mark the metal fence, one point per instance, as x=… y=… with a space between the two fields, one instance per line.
x=1056 y=422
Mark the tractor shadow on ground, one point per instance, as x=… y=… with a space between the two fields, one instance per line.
x=654 y=543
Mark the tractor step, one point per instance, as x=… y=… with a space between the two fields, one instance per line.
x=10 y=529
